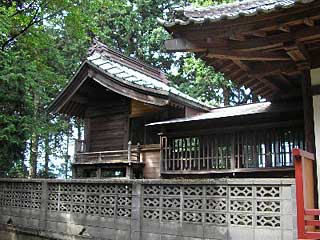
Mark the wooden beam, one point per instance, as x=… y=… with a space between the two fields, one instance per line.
x=268 y=42
x=181 y=45
x=259 y=33
x=246 y=68
x=266 y=69
x=247 y=56
x=297 y=52
x=284 y=28
x=224 y=65
x=308 y=21
x=284 y=80
x=237 y=37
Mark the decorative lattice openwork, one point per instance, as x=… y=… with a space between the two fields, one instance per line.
x=248 y=205
x=221 y=205
x=20 y=195
x=91 y=199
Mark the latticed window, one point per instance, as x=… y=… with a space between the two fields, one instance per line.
x=256 y=148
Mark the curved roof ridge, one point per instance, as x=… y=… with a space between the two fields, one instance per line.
x=129 y=74
x=198 y=15
x=118 y=56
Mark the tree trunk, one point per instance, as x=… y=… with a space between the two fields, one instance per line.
x=33 y=160
x=34 y=141
x=226 y=96
x=67 y=156
x=46 y=156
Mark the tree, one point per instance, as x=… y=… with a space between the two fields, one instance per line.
x=42 y=44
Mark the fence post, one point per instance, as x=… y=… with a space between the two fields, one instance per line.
x=44 y=205
x=136 y=211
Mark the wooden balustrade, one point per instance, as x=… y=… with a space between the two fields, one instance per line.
x=129 y=155
x=227 y=151
x=305 y=195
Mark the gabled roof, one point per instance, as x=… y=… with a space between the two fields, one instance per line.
x=200 y=15
x=126 y=76
x=234 y=111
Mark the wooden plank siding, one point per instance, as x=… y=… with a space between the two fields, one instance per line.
x=139 y=109
x=108 y=124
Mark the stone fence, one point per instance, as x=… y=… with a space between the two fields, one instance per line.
x=149 y=209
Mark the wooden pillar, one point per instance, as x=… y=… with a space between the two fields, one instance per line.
x=309 y=120
x=315 y=81
x=308 y=112
x=87 y=134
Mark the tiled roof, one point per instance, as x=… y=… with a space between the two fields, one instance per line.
x=133 y=73
x=233 y=111
x=199 y=15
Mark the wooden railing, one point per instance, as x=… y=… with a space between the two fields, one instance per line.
x=228 y=151
x=307 y=215
x=129 y=155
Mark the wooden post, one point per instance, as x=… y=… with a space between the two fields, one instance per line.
x=99 y=172
x=139 y=152
x=309 y=118
x=129 y=152
x=304 y=190
x=308 y=112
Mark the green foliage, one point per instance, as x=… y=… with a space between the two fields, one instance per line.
x=42 y=44
x=198 y=80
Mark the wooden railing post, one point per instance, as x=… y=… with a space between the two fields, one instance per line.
x=129 y=152
x=139 y=152
x=304 y=190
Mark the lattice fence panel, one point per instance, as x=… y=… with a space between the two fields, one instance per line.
x=91 y=198
x=239 y=205
x=25 y=195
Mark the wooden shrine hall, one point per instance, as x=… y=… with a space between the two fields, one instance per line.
x=116 y=96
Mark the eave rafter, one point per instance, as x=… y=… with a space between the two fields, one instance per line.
x=269 y=50
x=244 y=66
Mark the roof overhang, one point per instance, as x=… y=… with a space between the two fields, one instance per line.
x=223 y=113
x=64 y=102
x=267 y=51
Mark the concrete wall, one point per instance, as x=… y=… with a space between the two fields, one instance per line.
x=149 y=209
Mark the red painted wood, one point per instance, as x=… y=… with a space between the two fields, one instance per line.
x=314 y=212
x=311 y=235
x=299 y=194
x=299 y=156
x=312 y=223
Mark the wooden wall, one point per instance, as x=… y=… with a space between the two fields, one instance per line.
x=150 y=155
x=189 y=112
x=108 y=123
x=139 y=109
